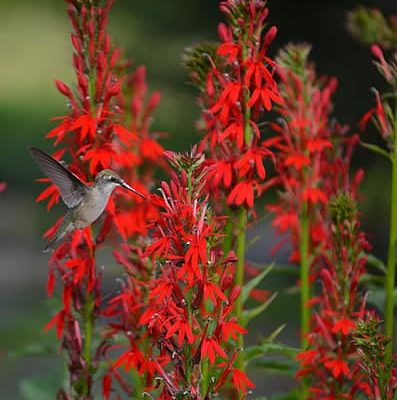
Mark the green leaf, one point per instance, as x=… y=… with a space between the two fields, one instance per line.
x=281 y=269
x=376 y=149
x=377 y=263
x=287 y=367
x=294 y=395
x=275 y=333
x=265 y=347
x=376 y=296
x=251 y=313
x=366 y=278
x=34 y=349
x=253 y=283
x=38 y=388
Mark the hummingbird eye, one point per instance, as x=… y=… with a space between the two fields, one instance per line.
x=113 y=179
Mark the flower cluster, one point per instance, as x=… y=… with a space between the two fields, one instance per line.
x=190 y=329
x=331 y=360
x=124 y=310
x=144 y=153
x=237 y=82
x=306 y=135
x=94 y=138
x=237 y=87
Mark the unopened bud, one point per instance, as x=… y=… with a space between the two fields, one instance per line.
x=270 y=35
x=64 y=89
x=377 y=51
x=154 y=101
x=226 y=282
x=235 y=292
x=223 y=32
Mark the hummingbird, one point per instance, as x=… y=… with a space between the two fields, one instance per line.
x=85 y=203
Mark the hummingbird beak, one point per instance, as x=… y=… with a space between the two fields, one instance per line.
x=131 y=189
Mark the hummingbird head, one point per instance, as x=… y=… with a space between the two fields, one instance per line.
x=109 y=179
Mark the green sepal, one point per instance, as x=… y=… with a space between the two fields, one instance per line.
x=253 y=283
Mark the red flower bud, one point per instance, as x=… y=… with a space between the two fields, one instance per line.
x=377 y=51
x=235 y=292
x=115 y=57
x=227 y=281
x=223 y=32
x=270 y=35
x=76 y=42
x=153 y=101
x=63 y=88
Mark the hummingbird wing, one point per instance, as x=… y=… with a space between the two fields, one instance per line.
x=71 y=187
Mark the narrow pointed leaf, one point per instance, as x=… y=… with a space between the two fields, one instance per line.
x=376 y=149
x=253 y=312
x=254 y=282
x=377 y=263
x=294 y=395
x=376 y=279
x=275 y=333
x=264 y=348
x=287 y=367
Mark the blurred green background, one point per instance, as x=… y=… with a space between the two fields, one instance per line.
x=35 y=50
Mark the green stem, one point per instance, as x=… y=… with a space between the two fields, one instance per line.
x=391 y=258
x=228 y=238
x=239 y=279
x=305 y=267
x=304 y=277
x=88 y=332
x=88 y=318
x=204 y=377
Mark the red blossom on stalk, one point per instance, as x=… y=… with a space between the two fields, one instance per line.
x=313 y=163
x=305 y=137
x=237 y=84
x=237 y=89
x=331 y=362
x=376 y=358
x=187 y=318
x=94 y=136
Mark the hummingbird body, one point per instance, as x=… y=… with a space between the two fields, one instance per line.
x=93 y=204
x=86 y=203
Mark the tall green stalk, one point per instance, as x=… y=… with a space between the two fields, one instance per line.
x=228 y=238
x=391 y=258
x=82 y=387
x=305 y=284
x=239 y=280
x=88 y=329
x=304 y=273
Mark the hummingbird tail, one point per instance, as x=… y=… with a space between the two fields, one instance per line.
x=50 y=246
